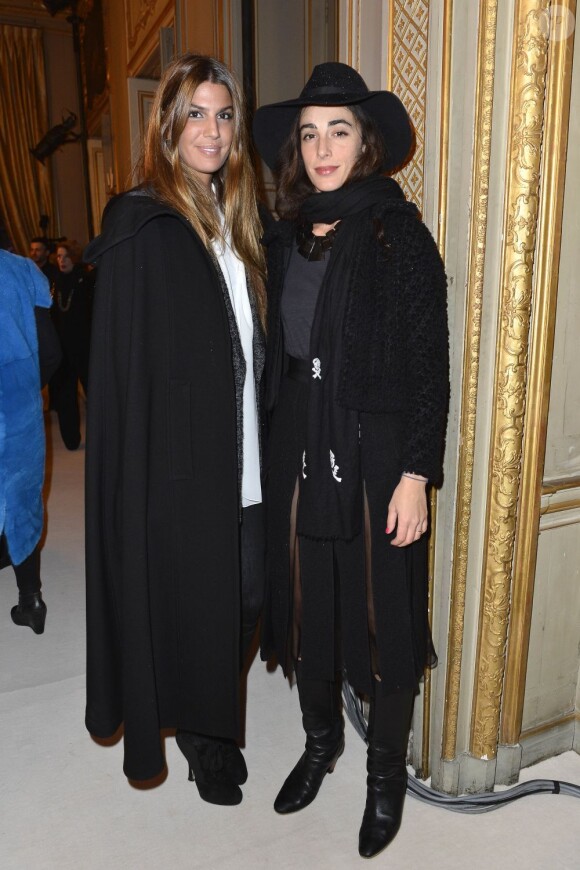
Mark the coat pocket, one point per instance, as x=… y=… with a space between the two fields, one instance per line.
x=180 y=458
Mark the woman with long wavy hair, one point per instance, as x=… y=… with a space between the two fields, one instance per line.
x=174 y=517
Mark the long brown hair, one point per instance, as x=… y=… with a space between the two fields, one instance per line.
x=294 y=186
x=171 y=180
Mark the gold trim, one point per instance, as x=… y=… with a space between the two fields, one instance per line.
x=444 y=133
x=558 y=485
x=552 y=509
x=441 y=243
x=528 y=78
x=547 y=726
x=427 y=682
x=475 y=273
x=390 y=43
x=554 y=148
x=309 y=37
x=349 y=25
x=358 y=28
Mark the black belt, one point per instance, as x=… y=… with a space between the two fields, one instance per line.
x=299 y=369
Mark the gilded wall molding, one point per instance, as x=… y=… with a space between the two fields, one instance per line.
x=444 y=128
x=560 y=499
x=445 y=100
x=354 y=12
x=475 y=273
x=565 y=719
x=553 y=486
x=560 y=506
x=555 y=144
x=529 y=63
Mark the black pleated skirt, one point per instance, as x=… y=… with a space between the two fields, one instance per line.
x=362 y=603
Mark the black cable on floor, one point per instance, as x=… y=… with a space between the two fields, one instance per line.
x=465 y=803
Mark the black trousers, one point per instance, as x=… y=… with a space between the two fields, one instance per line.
x=252 y=561
x=64 y=398
x=252 y=573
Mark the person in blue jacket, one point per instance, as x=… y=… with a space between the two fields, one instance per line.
x=24 y=326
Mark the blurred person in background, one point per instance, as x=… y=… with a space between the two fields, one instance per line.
x=71 y=315
x=39 y=253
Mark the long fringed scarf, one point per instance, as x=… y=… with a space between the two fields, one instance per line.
x=330 y=503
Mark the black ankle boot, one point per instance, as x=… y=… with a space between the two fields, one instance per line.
x=322 y=722
x=207 y=769
x=234 y=762
x=323 y=749
x=30 y=611
x=386 y=788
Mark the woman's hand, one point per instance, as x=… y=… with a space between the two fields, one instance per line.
x=408 y=511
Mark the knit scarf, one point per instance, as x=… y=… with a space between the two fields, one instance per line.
x=330 y=503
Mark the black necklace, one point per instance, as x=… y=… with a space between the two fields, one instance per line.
x=313 y=247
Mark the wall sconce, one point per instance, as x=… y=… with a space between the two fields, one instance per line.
x=58 y=135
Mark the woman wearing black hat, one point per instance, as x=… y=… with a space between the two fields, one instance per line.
x=357 y=369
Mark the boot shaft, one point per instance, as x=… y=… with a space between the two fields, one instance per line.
x=320 y=703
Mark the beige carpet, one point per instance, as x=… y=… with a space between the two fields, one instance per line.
x=65 y=804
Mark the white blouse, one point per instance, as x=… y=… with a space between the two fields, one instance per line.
x=235 y=277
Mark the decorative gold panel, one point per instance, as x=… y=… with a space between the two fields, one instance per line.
x=554 y=146
x=480 y=188
x=523 y=175
x=409 y=33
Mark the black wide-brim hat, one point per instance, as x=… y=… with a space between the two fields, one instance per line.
x=336 y=84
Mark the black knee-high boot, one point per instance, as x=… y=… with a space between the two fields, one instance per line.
x=323 y=724
x=389 y=724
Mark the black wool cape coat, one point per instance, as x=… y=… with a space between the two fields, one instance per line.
x=162 y=505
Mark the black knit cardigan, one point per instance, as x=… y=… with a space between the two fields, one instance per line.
x=395 y=338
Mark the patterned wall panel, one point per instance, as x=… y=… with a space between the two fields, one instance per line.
x=409 y=31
